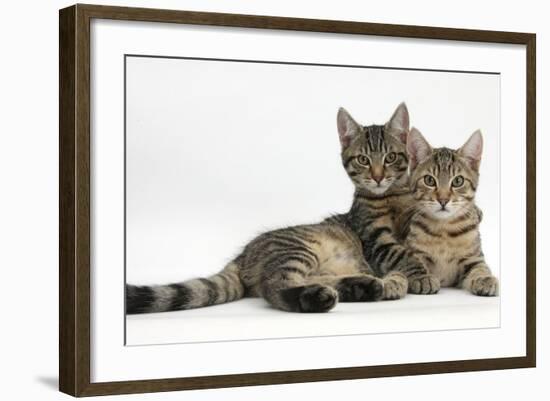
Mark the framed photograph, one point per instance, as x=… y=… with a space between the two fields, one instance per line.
x=250 y=200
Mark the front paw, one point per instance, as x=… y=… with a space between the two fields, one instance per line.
x=395 y=286
x=360 y=289
x=424 y=284
x=317 y=298
x=485 y=286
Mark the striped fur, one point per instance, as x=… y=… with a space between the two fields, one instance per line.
x=306 y=268
x=443 y=231
x=223 y=287
x=376 y=159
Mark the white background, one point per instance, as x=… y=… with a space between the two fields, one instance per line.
x=220 y=151
x=29 y=216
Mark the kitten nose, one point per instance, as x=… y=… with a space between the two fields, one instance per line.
x=378 y=178
x=443 y=201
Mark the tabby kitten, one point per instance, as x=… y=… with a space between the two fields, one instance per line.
x=444 y=230
x=375 y=158
x=305 y=268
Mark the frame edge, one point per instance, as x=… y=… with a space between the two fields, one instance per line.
x=67 y=268
x=300 y=24
x=74 y=202
x=531 y=201
x=300 y=376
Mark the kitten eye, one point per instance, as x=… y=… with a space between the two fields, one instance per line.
x=364 y=160
x=390 y=157
x=429 y=180
x=458 y=181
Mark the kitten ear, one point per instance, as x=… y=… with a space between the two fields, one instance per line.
x=398 y=125
x=472 y=150
x=347 y=127
x=418 y=148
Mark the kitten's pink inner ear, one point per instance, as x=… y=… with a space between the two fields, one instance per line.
x=346 y=127
x=417 y=148
x=473 y=149
x=342 y=133
x=403 y=137
x=400 y=119
x=345 y=140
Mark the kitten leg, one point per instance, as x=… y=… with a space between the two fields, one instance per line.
x=285 y=288
x=385 y=253
x=355 y=287
x=476 y=277
x=402 y=260
x=396 y=285
x=421 y=281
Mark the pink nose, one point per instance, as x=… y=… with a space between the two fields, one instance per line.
x=378 y=178
x=443 y=201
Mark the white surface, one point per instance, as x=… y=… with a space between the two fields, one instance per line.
x=448 y=310
x=220 y=151
x=30 y=145
x=113 y=361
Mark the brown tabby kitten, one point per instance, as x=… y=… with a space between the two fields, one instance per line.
x=375 y=158
x=444 y=228
x=306 y=268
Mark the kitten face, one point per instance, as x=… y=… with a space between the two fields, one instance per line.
x=375 y=156
x=443 y=180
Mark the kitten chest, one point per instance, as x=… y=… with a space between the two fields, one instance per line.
x=444 y=251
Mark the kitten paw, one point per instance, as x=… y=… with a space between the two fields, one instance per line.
x=317 y=298
x=395 y=286
x=425 y=284
x=485 y=286
x=360 y=289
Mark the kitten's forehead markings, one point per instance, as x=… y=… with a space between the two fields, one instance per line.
x=368 y=139
x=374 y=134
x=444 y=158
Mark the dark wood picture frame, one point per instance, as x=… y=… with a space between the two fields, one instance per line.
x=74 y=199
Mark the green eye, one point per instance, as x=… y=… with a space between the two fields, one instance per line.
x=458 y=181
x=390 y=157
x=364 y=160
x=429 y=180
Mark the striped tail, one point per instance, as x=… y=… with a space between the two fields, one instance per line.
x=225 y=286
